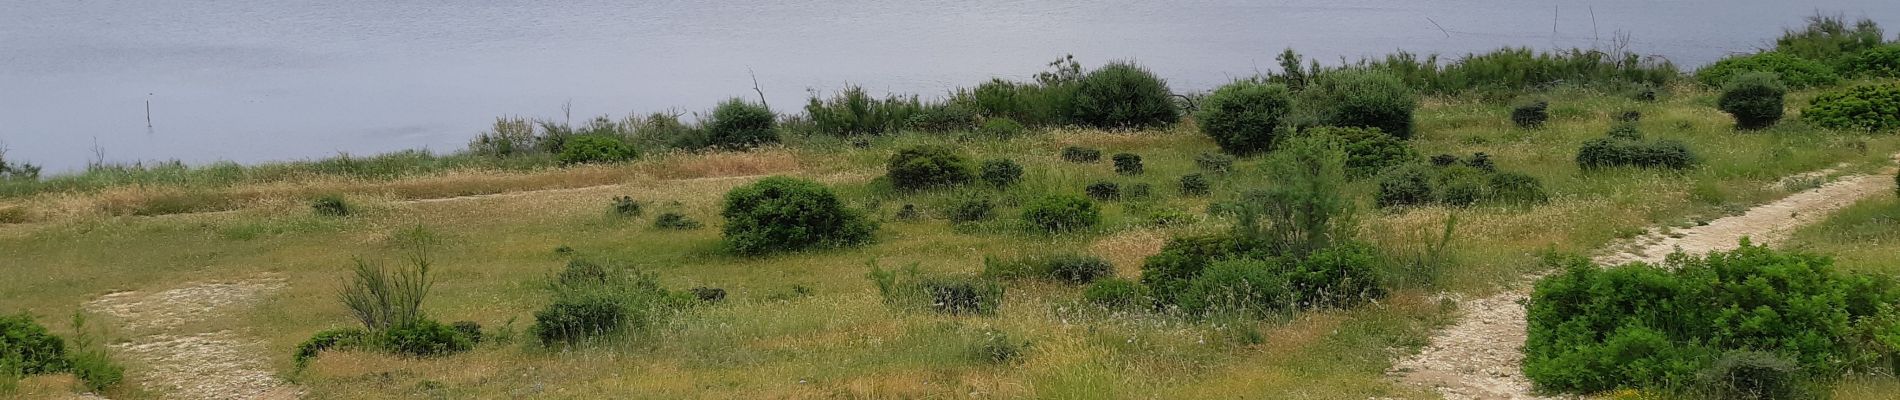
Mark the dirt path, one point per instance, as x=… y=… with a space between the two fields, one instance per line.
x=1479 y=357
x=169 y=357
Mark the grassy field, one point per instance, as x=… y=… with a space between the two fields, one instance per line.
x=811 y=325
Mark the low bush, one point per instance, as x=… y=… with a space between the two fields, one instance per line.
x=944 y=117
x=1369 y=151
x=1001 y=128
x=737 y=124
x=425 y=338
x=583 y=272
x=1247 y=287
x=928 y=166
x=908 y=213
x=674 y=220
x=1754 y=99
x=29 y=347
x=972 y=210
x=1001 y=172
x=1059 y=212
x=1080 y=154
x=1138 y=191
x=1243 y=117
x=1796 y=72
x=1611 y=152
x=469 y=329
x=332 y=339
x=1829 y=38
x=950 y=294
x=1879 y=62
x=1079 y=269
x=789 y=214
x=1476 y=181
x=573 y=319
x=1194 y=185
x=1232 y=281
x=594 y=149
x=1116 y=294
x=1531 y=115
x=1104 y=191
x=1127 y=164
x=1214 y=162
x=1359 y=98
x=1869 y=107
x=626 y=300
x=1516 y=188
x=1123 y=96
x=1181 y=259
x=625 y=206
x=852 y=112
x=330 y=205
x=1406 y=185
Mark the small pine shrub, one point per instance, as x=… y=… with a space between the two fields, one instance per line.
x=674 y=220
x=425 y=338
x=1244 y=117
x=1079 y=269
x=1194 y=185
x=625 y=206
x=1796 y=72
x=469 y=329
x=737 y=124
x=1870 y=107
x=1181 y=259
x=908 y=213
x=1123 y=96
x=1360 y=98
x=928 y=166
x=1214 y=162
x=29 y=347
x=1531 y=115
x=1127 y=164
x=1879 y=62
x=789 y=214
x=332 y=339
x=1116 y=294
x=1078 y=154
x=1517 y=188
x=1001 y=173
x=1369 y=151
x=972 y=210
x=594 y=149
x=1056 y=213
x=330 y=205
x=1002 y=128
x=1754 y=99
x=1104 y=191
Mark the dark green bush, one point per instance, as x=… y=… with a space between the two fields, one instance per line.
x=1474 y=182
x=1482 y=162
x=1339 y=276
x=674 y=220
x=30 y=347
x=1002 y=128
x=572 y=319
x=971 y=210
x=1127 y=164
x=1239 y=286
x=625 y=206
x=1360 y=98
x=788 y=214
x=589 y=309
x=1754 y=99
x=852 y=112
x=1625 y=147
x=1001 y=172
x=1116 y=293
x=1531 y=115
x=1104 y=191
x=1059 y=212
x=1123 y=96
x=1626 y=131
x=736 y=124
x=1796 y=72
x=1406 y=185
x=908 y=212
x=1243 y=117
x=1181 y=259
x=469 y=329
x=928 y=166
x=425 y=338
x=1879 y=62
x=1081 y=154
x=1214 y=162
x=1517 y=188
x=1369 y=151
x=1444 y=160
x=1830 y=39
x=1194 y=185
x=330 y=205
x=592 y=149
x=963 y=295
x=944 y=117
x=1079 y=268
x=1751 y=375
x=1869 y=107
x=1137 y=191
x=332 y=339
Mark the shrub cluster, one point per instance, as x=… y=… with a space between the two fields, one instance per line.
x=1002 y=128
x=1458 y=184
x=928 y=166
x=1071 y=268
x=1369 y=151
x=1625 y=146
x=1061 y=212
x=1879 y=62
x=1869 y=107
x=330 y=205
x=1214 y=162
x=1104 y=191
x=1754 y=99
x=909 y=288
x=971 y=210
x=852 y=112
x=1359 y=98
x=1080 y=154
x=1210 y=275
x=1531 y=115
x=592 y=149
x=1128 y=164
x=1123 y=96
x=1117 y=293
x=591 y=300
x=737 y=124
x=1666 y=327
x=1830 y=39
x=1001 y=172
x=30 y=348
x=789 y=214
x=1794 y=71
x=626 y=206
x=1194 y=184
x=1505 y=70
x=1243 y=117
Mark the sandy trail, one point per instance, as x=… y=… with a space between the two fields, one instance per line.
x=1479 y=357
x=195 y=365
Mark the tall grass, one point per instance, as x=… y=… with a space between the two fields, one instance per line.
x=1502 y=70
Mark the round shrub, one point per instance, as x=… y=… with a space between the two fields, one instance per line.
x=1055 y=213
x=1242 y=117
x=426 y=338
x=1516 y=188
x=737 y=124
x=963 y=294
x=1406 y=185
x=1239 y=286
x=626 y=206
x=591 y=149
x=572 y=319
x=1796 y=72
x=1460 y=186
x=1878 y=62
x=1104 y=191
x=1360 y=98
x=1194 y=185
x=1001 y=172
x=1167 y=273
x=1531 y=115
x=1754 y=99
x=1123 y=96
x=30 y=347
x=1081 y=154
x=1339 y=276
x=1116 y=293
x=1002 y=128
x=1872 y=107
x=787 y=214
x=928 y=166
x=1079 y=269
x=1368 y=150
x=1127 y=164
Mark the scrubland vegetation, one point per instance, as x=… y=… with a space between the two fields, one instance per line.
x=1090 y=233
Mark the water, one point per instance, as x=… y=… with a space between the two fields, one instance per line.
x=268 y=80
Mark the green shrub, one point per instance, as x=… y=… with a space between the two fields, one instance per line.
x=1828 y=38
x=1238 y=286
x=573 y=319
x=469 y=329
x=331 y=339
x=583 y=272
x=29 y=347
x=1127 y=164
x=1531 y=115
x=1870 y=107
x=1214 y=162
x=593 y=149
x=1516 y=188
x=1138 y=191
x=851 y=112
x=949 y=294
x=1123 y=96
x=1002 y=128
x=1342 y=275
x=1751 y=375
x=1625 y=147
x=674 y=220
x=1181 y=259
x=788 y=214
x=425 y=338
x=625 y=206
x=946 y=117
x=908 y=213
x=1104 y=191
x=1796 y=72
x=709 y=295
x=928 y=166
x=1080 y=154
x=1116 y=294
x=971 y=210
x=1754 y=99
x=1356 y=98
x=1001 y=172
x=1879 y=62
x=736 y=124
x=1194 y=185
x=1243 y=117
x=1060 y=212
x=1079 y=268
x=330 y=205
x=1369 y=151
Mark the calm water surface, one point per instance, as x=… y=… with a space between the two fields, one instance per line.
x=264 y=80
